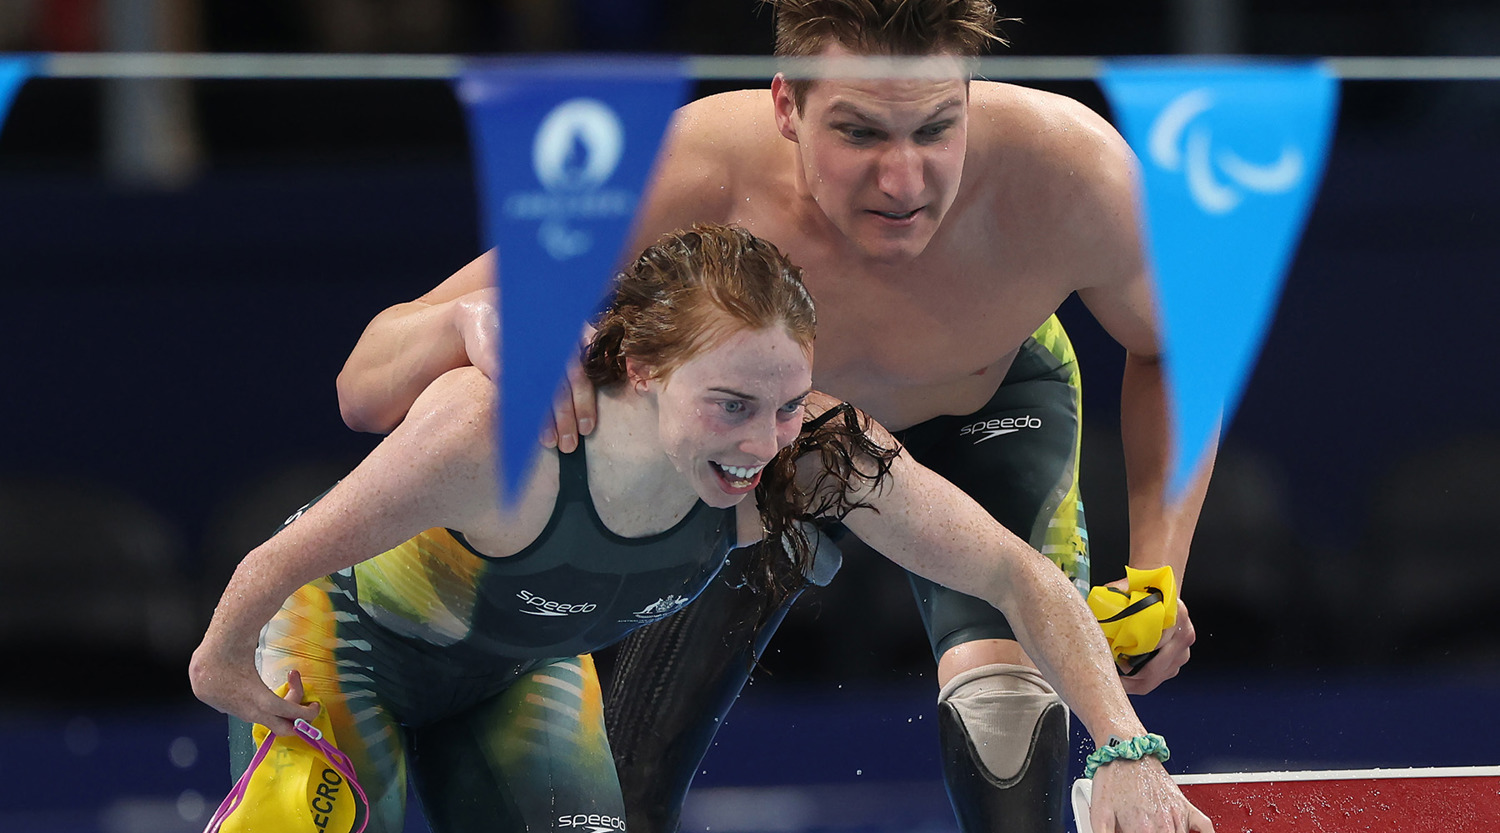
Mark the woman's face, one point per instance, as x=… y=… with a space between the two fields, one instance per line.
x=725 y=412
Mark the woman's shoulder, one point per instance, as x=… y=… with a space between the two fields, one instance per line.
x=462 y=401
x=841 y=456
x=830 y=416
x=454 y=427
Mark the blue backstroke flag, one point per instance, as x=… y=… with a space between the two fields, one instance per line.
x=563 y=149
x=13 y=72
x=1231 y=155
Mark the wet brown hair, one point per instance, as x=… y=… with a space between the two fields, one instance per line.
x=679 y=297
x=804 y=28
x=837 y=446
x=691 y=288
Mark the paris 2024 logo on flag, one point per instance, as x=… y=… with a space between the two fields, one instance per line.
x=576 y=151
x=562 y=150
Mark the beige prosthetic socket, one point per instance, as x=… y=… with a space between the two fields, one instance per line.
x=1001 y=707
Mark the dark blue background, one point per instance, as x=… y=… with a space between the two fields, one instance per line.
x=169 y=359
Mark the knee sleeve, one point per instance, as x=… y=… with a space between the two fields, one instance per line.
x=1004 y=733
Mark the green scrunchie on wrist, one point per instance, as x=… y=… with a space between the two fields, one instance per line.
x=1131 y=750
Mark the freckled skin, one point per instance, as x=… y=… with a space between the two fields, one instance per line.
x=738 y=401
x=736 y=404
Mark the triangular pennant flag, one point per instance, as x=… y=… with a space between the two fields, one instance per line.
x=563 y=148
x=1231 y=156
x=13 y=73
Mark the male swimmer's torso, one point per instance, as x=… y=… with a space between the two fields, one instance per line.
x=1038 y=216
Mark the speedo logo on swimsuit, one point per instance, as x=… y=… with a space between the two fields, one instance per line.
x=592 y=822
x=991 y=428
x=538 y=606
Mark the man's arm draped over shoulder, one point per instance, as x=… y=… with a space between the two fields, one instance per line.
x=457 y=323
x=407 y=346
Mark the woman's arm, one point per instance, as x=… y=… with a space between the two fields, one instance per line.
x=927 y=525
x=435 y=469
x=930 y=527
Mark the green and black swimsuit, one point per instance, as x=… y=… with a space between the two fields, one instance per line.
x=473 y=672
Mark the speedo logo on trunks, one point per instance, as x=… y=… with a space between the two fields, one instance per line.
x=538 y=606
x=988 y=429
x=592 y=822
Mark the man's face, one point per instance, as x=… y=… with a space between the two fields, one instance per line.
x=882 y=158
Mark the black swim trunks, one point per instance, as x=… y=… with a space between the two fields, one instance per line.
x=1018 y=458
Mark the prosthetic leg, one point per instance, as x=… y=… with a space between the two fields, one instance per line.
x=1004 y=733
x=676 y=679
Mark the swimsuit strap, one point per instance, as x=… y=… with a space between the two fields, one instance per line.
x=817 y=422
x=573 y=476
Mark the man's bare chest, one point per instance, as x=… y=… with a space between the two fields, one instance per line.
x=923 y=338
x=938 y=343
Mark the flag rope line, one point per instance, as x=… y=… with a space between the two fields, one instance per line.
x=205 y=66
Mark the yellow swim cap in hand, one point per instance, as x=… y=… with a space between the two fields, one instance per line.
x=1133 y=621
x=295 y=782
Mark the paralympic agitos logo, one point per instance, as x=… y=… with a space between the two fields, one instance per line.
x=576 y=150
x=1181 y=142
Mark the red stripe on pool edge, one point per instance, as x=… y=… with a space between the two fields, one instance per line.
x=1375 y=805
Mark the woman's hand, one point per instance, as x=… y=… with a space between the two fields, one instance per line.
x=1140 y=797
x=231 y=685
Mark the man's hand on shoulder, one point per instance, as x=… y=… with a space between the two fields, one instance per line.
x=575 y=408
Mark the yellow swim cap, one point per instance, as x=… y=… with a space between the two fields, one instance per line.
x=295 y=782
x=1133 y=621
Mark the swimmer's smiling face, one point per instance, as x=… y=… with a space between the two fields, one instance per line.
x=883 y=158
x=725 y=412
